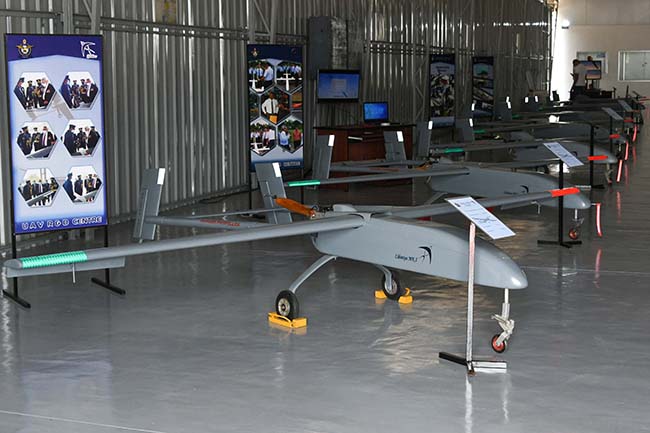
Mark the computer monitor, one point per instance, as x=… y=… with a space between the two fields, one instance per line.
x=338 y=85
x=375 y=112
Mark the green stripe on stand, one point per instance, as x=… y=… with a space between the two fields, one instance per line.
x=303 y=183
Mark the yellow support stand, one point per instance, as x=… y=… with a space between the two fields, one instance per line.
x=406 y=298
x=276 y=319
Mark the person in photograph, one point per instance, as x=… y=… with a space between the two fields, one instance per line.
x=74 y=94
x=284 y=139
x=83 y=91
x=66 y=91
x=36 y=140
x=79 y=186
x=268 y=76
x=297 y=139
x=93 y=138
x=24 y=141
x=48 y=92
x=26 y=190
x=97 y=183
x=271 y=107
x=92 y=90
x=89 y=185
x=37 y=190
x=47 y=138
x=29 y=92
x=70 y=140
x=67 y=186
x=45 y=187
x=82 y=142
x=19 y=91
x=270 y=137
x=39 y=94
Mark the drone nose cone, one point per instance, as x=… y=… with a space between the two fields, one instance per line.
x=577 y=201
x=518 y=281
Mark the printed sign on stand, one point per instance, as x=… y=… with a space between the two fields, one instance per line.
x=56 y=132
x=483 y=218
x=565 y=156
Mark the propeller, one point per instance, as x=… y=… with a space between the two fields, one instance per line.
x=295 y=207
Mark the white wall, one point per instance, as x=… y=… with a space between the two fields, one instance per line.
x=600 y=25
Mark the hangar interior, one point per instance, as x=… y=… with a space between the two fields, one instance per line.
x=189 y=347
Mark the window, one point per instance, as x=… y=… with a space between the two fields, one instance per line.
x=634 y=66
x=595 y=55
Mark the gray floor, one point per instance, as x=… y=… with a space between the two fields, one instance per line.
x=189 y=349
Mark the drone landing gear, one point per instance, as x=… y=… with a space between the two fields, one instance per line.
x=394 y=289
x=500 y=341
x=287 y=307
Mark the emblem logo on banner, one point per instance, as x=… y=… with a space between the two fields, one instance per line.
x=87 y=51
x=24 y=49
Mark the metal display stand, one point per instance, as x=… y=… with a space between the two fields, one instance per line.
x=560 y=211
x=472 y=365
x=106 y=282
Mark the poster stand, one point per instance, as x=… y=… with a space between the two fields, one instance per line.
x=86 y=48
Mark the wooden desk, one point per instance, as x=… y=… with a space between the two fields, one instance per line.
x=363 y=142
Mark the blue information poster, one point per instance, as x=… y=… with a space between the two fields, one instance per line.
x=56 y=131
x=275 y=100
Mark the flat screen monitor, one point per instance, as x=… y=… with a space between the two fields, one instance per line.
x=338 y=85
x=594 y=69
x=375 y=112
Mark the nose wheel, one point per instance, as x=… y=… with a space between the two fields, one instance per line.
x=499 y=342
x=394 y=290
x=286 y=305
x=574 y=234
x=499 y=347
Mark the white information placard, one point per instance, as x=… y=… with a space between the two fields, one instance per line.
x=560 y=151
x=484 y=219
x=613 y=114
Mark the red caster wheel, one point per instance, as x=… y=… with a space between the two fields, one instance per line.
x=574 y=234
x=499 y=348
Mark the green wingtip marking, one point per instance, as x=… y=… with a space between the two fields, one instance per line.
x=516 y=116
x=54 y=259
x=454 y=150
x=303 y=183
x=479 y=131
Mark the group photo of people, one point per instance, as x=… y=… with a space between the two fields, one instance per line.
x=34 y=91
x=38 y=187
x=79 y=90
x=290 y=135
x=289 y=75
x=261 y=75
x=81 y=138
x=82 y=184
x=36 y=140
x=262 y=137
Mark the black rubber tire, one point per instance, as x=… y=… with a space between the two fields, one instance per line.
x=498 y=348
x=397 y=291
x=286 y=305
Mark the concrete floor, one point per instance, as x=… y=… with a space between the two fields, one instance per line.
x=189 y=349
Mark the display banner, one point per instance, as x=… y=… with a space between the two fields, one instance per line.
x=483 y=85
x=56 y=129
x=275 y=100
x=442 y=76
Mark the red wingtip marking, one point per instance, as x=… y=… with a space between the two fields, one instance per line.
x=563 y=192
x=614 y=136
x=597 y=158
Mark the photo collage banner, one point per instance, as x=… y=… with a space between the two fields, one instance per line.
x=442 y=76
x=483 y=85
x=56 y=129
x=275 y=103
